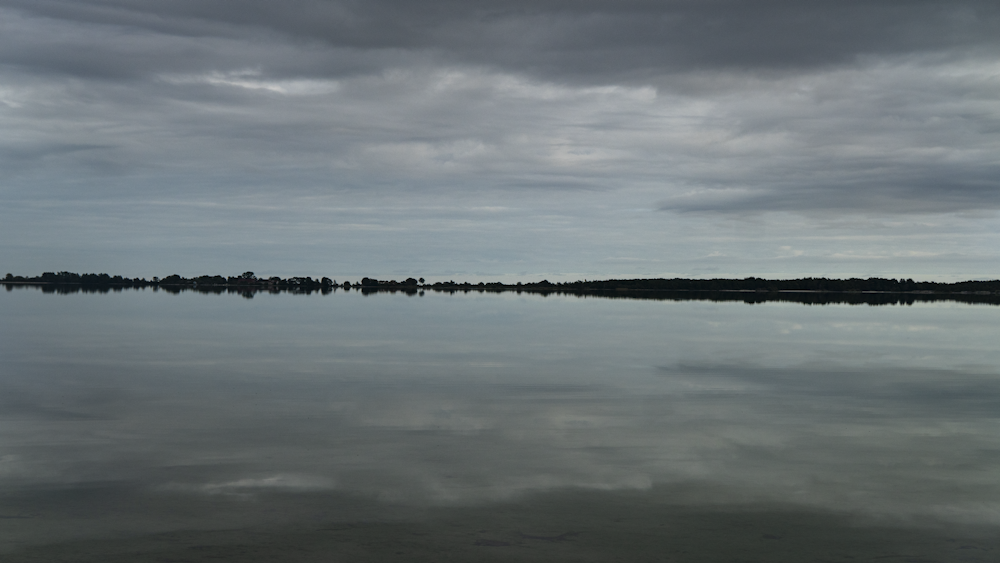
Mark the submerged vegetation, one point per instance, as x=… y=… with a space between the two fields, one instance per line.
x=875 y=291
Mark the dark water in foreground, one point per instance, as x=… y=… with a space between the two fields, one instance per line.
x=141 y=426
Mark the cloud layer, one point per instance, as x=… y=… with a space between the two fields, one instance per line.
x=721 y=107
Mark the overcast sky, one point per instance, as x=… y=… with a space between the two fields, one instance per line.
x=501 y=140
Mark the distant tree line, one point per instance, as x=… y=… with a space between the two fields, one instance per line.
x=884 y=285
x=750 y=290
x=246 y=282
x=881 y=285
x=801 y=297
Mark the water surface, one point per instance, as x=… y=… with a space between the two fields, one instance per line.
x=142 y=425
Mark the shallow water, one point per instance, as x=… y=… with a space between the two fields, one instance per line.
x=142 y=425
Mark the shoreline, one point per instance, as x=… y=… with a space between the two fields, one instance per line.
x=579 y=289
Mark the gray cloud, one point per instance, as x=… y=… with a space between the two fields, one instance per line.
x=584 y=40
x=728 y=108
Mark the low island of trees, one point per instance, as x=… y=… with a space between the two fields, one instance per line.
x=246 y=283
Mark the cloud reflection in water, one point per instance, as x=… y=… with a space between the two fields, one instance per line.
x=463 y=400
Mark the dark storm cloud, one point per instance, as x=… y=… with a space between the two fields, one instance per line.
x=575 y=40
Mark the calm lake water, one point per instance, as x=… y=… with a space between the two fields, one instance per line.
x=146 y=426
